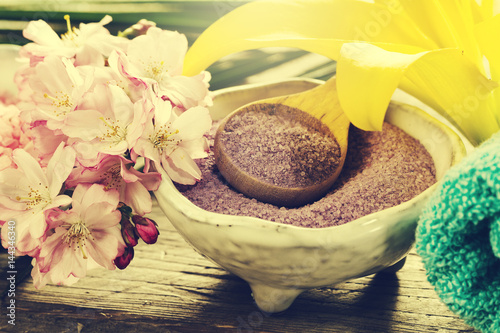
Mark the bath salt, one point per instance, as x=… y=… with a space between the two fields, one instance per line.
x=382 y=169
x=280 y=145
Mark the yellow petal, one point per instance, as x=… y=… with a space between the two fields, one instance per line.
x=449 y=23
x=486 y=34
x=366 y=79
x=318 y=26
x=457 y=89
x=367 y=76
x=485 y=10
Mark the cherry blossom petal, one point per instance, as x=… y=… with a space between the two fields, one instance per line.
x=88 y=55
x=106 y=246
x=193 y=123
x=83 y=124
x=181 y=168
x=87 y=195
x=59 y=168
x=186 y=91
x=197 y=148
x=46 y=141
x=151 y=180
x=41 y=33
x=30 y=167
x=100 y=215
x=159 y=52
x=138 y=198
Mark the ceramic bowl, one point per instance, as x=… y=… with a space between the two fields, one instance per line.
x=281 y=261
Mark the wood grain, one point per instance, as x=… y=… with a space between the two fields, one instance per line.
x=170 y=288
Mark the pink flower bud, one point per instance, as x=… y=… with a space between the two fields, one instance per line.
x=122 y=261
x=141 y=27
x=146 y=229
x=128 y=232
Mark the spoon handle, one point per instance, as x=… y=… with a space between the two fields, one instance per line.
x=322 y=102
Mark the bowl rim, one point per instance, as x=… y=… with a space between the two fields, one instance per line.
x=197 y=214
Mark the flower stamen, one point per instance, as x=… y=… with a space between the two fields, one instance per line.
x=114 y=132
x=77 y=234
x=156 y=69
x=162 y=137
x=62 y=102
x=34 y=198
x=112 y=177
x=72 y=33
x=68 y=22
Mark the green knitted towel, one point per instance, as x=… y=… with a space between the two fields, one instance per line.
x=458 y=238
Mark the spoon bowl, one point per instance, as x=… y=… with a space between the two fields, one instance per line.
x=317 y=110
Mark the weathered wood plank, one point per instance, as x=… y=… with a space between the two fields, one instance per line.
x=170 y=287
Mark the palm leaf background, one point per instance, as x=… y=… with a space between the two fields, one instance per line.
x=188 y=17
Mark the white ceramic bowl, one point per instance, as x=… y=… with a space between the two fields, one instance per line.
x=280 y=261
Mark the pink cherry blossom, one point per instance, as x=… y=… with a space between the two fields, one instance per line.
x=156 y=58
x=174 y=141
x=14 y=133
x=8 y=98
x=117 y=172
x=87 y=45
x=45 y=141
x=22 y=78
x=28 y=191
x=90 y=229
x=134 y=87
x=107 y=119
x=58 y=88
x=90 y=108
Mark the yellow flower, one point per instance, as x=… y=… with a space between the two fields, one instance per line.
x=444 y=52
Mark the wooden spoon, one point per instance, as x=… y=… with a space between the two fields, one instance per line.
x=321 y=103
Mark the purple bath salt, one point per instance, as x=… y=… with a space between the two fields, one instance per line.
x=382 y=169
x=280 y=145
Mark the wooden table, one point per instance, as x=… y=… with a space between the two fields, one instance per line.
x=171 y=288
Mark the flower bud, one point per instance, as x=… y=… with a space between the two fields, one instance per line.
x=146 y=229
x=141 y=27
x=128 y=232
x=122 y=261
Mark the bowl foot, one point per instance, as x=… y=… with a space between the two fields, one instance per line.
x=272 y=299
